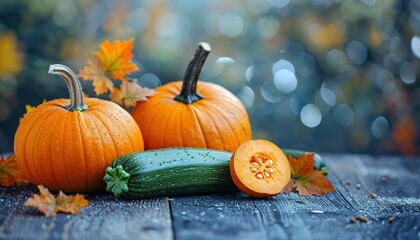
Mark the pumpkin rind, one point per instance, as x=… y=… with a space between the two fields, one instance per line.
x=69 y=150
x=208 y=117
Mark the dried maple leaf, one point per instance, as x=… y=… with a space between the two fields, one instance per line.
x=305 y=178
x=130 y=93
x=95 y=71
x=116 y=58
x=9 y=172
x=50 y=205
x=113 y=59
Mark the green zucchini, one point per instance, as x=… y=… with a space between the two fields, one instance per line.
x=169 y=172
x=319 y=161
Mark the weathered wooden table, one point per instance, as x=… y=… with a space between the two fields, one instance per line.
x=395 y=180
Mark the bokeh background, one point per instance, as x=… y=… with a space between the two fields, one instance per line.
x=321 y=75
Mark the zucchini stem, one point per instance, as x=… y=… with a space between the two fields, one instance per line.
x=116 y=180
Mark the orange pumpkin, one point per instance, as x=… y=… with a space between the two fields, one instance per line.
x=67 y=144
x=193 y=114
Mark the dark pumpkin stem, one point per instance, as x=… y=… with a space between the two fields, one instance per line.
x=189 y=93
x=73 y=84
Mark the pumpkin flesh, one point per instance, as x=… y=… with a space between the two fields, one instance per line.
x=259 y=168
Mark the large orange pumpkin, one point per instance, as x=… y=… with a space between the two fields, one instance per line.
x=67 y=144
x=193 y=114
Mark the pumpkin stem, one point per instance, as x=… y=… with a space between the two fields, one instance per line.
x=189 y=93
x=116 y=180
x=73 y=84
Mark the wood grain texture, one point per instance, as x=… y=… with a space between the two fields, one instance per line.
x=236 y=216
x=105 y=218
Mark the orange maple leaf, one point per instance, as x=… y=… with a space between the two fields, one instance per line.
x=50 y=205
x=305 y=178
x=95 y=71
x=113 y=59
x=116 y=58
x=9 y=172
x=130 y=93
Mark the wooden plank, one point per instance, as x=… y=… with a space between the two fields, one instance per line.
x=236 y=216
x=393 y=180
x=105 y=218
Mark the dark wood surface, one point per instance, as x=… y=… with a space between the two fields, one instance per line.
x=395 y=180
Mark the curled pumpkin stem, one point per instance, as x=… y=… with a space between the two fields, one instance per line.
x=73 y=84
x=189 y=93
x=116 y=180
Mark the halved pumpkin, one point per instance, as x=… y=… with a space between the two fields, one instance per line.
x=259 y=168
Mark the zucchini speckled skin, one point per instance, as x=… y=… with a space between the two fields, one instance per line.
x=169 y=172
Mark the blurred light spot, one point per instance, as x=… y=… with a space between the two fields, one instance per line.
x=380 y=128
x=247 y=96
x=326 y=36
x=231 y=25
x=279 y=3
x=285 y=81
x=357 y=52
x=224 y=60
x=150 y=80
x=211 y=25
x=258 y=7
x=249 y=73
x=369 y=2
x=328 y=96
x=336 y=58
x=270 y=93
x=283 y=64
x=310 y=115
x=344 y=115
x=415 y=46
x=268 y=27
x=5 y=110
x=138 y=20
x=408 y=73
x=173 y=26
x=383 y=77
x=65 y=13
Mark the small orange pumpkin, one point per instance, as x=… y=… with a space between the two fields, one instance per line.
x=67 y=144
x=193 y=114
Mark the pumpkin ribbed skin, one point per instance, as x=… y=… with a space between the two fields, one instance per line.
x=217 y=121
x=70 y=150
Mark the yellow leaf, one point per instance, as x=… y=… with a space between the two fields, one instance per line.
x=116 y=58
x=11 y=58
